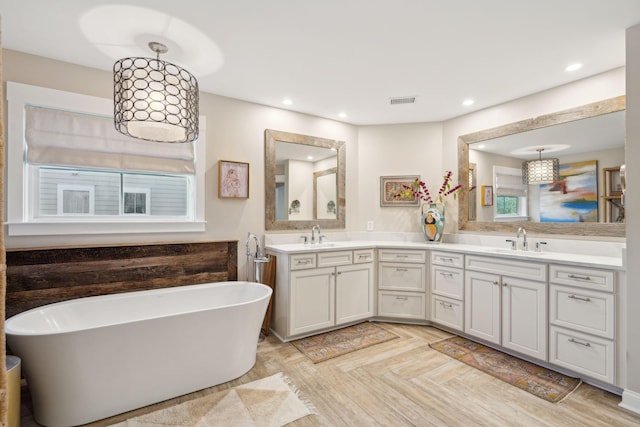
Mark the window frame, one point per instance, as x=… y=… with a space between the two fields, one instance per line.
x=18 y=194
x=61 y=188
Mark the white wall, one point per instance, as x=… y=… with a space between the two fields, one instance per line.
x=633 y=215
x=235 y=131
x=413 y=149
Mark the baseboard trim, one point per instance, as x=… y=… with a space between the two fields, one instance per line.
x=630 y=401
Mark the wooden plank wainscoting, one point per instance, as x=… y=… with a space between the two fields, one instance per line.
x=41 y=276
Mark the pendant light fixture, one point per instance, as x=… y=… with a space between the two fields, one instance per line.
x=541 y=171
x=155 y=100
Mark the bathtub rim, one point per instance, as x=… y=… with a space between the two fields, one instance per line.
x=9 y=332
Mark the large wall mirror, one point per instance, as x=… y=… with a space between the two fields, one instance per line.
x=305 y=181
x=589 y=143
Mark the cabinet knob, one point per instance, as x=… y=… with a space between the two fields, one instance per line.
x=504 y=284
x=495 y=282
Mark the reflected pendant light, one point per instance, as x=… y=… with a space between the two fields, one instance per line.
x=541 y=171
x=154 y=99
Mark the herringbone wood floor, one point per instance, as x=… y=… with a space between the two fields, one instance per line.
x=404 y=382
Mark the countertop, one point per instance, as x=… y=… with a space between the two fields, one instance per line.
x=614 y=263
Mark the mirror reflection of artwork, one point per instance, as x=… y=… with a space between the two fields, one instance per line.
x=574 y=198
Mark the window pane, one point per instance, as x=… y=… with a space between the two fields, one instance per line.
x=111 y=193
x=168 y=194
x=507 y=205
x=76 y=202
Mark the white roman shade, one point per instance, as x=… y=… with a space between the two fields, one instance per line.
x=508 y=182
x=63 y=138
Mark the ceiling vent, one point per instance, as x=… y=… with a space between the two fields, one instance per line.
x=403 y=100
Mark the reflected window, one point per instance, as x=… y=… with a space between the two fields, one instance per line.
x=510 y=194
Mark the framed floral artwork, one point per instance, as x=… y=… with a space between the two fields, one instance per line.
x=487 y=195
x=233 y=180
x=390 y=185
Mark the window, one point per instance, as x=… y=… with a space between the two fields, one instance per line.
x=510 y=194
x=71 y=170
x=74 y=199
x=136 y=201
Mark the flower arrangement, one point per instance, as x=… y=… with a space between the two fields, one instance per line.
x=419 y=189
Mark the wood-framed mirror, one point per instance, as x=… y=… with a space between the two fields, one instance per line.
x=304 y=181
x=569 y=116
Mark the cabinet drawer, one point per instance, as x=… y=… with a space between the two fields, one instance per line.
x=302 y=261
x=331 y=259
x=507 y=267
x=447 y=312
x=582 y=310
x=447 y=259
x=402 y=277
x=590 y=278
x=398 y=255
x=405 y=305
x=582 y=353
x=447 y=281
x=362 y=256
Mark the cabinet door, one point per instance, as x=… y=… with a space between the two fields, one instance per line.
x=354 y=293
x=482 y=306
x=524 y=320
x=312 y=300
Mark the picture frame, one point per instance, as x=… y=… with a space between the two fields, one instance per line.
x=487 y=195
x=389 y=185
x=233 y=180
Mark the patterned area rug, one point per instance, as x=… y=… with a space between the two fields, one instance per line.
x=271 y=401
x=535 y=379
x=325 y=346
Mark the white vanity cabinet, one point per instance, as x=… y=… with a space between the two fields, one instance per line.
x=447 y=289
x=582 y=317
x=505 y=303
x=317 y=291
x=402 y=284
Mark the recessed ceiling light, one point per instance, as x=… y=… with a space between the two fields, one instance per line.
x=342 y=115
x=481 y=146
x=468 y=102
x=573 y=67
x=287 y=101
x=309 y=157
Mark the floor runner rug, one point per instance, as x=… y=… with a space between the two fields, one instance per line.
x=539 y=381
x=271 y=401
x=325 y=346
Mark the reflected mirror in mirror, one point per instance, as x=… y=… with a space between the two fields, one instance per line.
x=594 y=132
x=304 y=181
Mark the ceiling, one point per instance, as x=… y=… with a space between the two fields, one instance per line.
x=603 y=132
x=341 y=56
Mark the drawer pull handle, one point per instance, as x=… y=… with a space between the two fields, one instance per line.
x=446 y=259
x=363 y=256
x=402 y=298
x=303 y=261
x=587 y=299
x=445 y=274
x=446 y=305
x=402 y=256
x=575 y=341
x=575 y=276
x=402 y=269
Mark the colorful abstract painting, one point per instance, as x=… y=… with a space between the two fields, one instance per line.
x=574 y=198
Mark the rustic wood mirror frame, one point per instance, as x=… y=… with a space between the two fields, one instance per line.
x=578 y=229
x=271 y=137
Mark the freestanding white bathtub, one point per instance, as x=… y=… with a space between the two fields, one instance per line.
x=95 y=357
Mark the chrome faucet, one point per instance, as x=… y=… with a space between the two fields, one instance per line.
x=313 y=234
x=258 y=252
x=525 y=244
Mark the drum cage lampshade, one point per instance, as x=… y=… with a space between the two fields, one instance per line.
x=540 y=171
x=155 y=100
